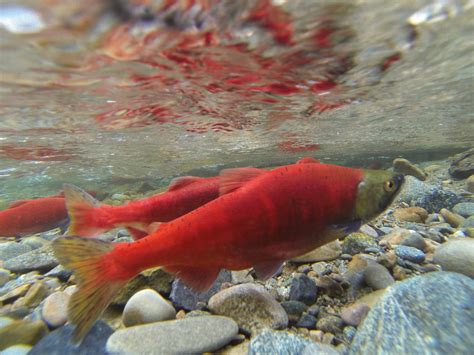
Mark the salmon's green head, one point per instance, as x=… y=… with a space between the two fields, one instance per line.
x=376 y=192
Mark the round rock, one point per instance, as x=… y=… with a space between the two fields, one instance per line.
x=303 y=289
x=354 y=314
x=183 y=336
x=456 y=255
x=465 y=209
x=251 y=306
x=330 y=324
x=414 y=316
x=411 y=254
x=378 y=277
x=54 y=310
x=356 y=243
x=147 y=306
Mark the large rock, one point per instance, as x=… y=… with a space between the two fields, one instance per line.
x=184 y=336
x=272 y=342
x=41 y=259
x=465 y=209
x=428 y=314
x=303 y=289
x=456 y=255
x=59 y=342
x=11 y=250
x=147 y=306
x=327 y=252
x=378 y=277
x=431 y=197
x=462 y=165
x=185 y=297
x=251 y=306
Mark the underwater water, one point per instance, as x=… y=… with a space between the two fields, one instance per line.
x=108 y=97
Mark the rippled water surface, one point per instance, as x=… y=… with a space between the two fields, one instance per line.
x=114 y=94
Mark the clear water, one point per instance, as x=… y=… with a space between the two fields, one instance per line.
x=90 y=97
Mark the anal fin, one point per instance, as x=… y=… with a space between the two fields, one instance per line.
x=198 y=278
x=267 y=269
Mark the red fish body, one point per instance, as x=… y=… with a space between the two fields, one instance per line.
x=33 y=216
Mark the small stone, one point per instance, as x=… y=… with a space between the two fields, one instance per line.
x=11 y=250
x=184 y=297
x=306 y=321
x=15 y=293
x=4 y=276
x=456 y=255
x=372 y=298
x=314 y=310
x=410 y=254
x=22 y=332
x=54 y=310
x=59 y=341
x=251 y=306
x=462 y=165
x=304 y=269
x=411 y=214
x=434 y=218
x=70 y=290
x=36 y=294
x=443 y=228
x=330 y=324
x=197 y=313
x=453 y=219
x=241 y=277
x=349 y=333
x=316 y=335
x=368 y=230
x=183 y=336
x=388 y=259
x=470 y=184
x=41 y=259
x=294 y=309
x=378 y=277
x=303 y=289
x=356 y=243
x=468 y=223
x=405 y=318
x=327 y=252
x=272 y=342
x=406 y=167
x=465 y=209
x=328 y=338
x=20 y=349
x=355 y=313
x=147 y=306
x=415 y=240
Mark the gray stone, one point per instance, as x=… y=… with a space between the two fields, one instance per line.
x=251 y=306
x=185 y=297
x=306 y=321
x=147 y=306
x=349 y=333
x=294 y=309
x=443 y=228
x=378 y=277
x=59 y=342
x=431 y=197
x=34 y=242
x=355 y=313
x=470 y=184
x=409 y=253
x=468 y=223
x=356 y=243
x=330 y=324
x=465 y=209
x=303 y=289
x=427 y=314
x=415 y=240
x=4 y=276
x=456 y=255
x=41 y=259
x=11 y=250
x=462 y=164
x=54 y=309
x=272 y=342
x=183 y=336
x=60 y=272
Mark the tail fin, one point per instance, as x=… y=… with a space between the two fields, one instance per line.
x=87 y=219
x=94 y=272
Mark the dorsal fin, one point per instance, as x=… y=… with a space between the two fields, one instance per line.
x=232 y=179
x=182 y=181
x=308 y=160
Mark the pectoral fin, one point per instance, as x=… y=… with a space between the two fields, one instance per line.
x=266 y=270
x=198 y=278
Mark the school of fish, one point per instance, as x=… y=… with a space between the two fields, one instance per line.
x=260 y=219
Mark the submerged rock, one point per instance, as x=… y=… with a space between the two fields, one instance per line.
x=41 y=259
x=22 y=332
x=184 y=336
x=54 y=309
x=356 y=243
x=409 y=319
x=147 y=306
x=303 y=289
x=456 y=255
x=465 y=209
x=462 y=165
x=11 y=250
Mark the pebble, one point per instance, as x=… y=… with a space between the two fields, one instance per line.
x=4 y=276
x=470 y=184
x=410 y=254
x=356 y=243
x=41 y=259
x=372 y=298
x=314 y=310
x=22 y=332
x=272 y=342
x=15 y=293
x=368 y=230
x=59 y=341
x=456 y=255
x=251 y=306
x=388 y=259
x=11 y=250
x=415 y=240
x=184 y=336
x=443 y=228
x=453 y=219
x=411 y=214
x=147 y=306
x=462 y=165
x=468 y=223
x=184 y=297
x=355 y=313
x=294 y=310
x=35 y=295
x=465 y=209
x=306 y=321
x=377 y=276
x=327 y=252
x=20 y=349
x=330 y=324
x=60 y=272
x=303 y=289
x=54 y=309
x=406 y=167
x=400 y=322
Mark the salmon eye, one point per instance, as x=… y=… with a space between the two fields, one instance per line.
x=389 y=185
